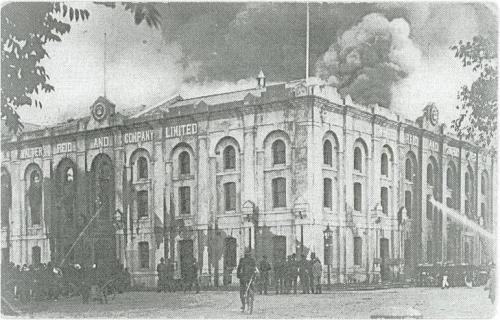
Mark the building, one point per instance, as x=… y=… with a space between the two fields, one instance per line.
x=268 y=169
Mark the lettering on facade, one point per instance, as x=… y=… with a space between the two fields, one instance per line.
x=64 y=147
x=452 y=151
x=433 y=145
x=100 y=142
x=181 y=130
x=411 y=139
x=28 y=153
x=138 y=136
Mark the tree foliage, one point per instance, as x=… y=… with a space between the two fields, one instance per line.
x=477 y=120
x=26 y=29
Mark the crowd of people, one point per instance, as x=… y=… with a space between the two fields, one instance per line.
x=46 y=281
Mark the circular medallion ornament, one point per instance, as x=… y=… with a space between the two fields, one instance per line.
x=99 y=112
x=434 y=115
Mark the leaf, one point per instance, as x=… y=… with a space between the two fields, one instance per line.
x=77 y=15
x=65 y=10
x=71 y=14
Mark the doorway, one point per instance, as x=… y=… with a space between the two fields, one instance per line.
x=229 y=259
x=384 y=256
x=279 y=248
x=186 y=255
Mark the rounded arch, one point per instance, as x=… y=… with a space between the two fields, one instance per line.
x=361 y=142
x=224 y=142
x=360 y=155
x=386 y=159
x=451 y=175
x=34 y=192
x=181 y=146
x=274 y=135
x=140 y=160
x=182 y=157
x=410 y=166
x=31 y=171
x=66 y=171
x=277 y=148
x=330 y=135
x=432 y=171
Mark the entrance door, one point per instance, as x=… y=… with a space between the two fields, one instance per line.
x=279 y=248
x=384 y=256
x=186 y=255
x=36 y=255
x=229 y=258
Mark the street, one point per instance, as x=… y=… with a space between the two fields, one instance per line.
x=432 y=302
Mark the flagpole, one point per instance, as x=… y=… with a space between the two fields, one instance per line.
x=307 y=42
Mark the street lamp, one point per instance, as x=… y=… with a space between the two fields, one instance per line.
x=251 y=214
x=300 y=208
x=328 y=241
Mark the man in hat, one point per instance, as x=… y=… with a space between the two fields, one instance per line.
x=245 y=272
x=162 y=275
x=264 y=268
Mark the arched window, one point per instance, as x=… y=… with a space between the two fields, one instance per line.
x=142 y=168
x=184 y=163
x=358 y=251
x=408 y=170
x=357 y=196
x=384 y=200
x=384 y=165
x=279 y=152
x=358 y=159
x=467 y=183
x=327 y=193
x=279 y=192
x=450 y=178
x=327 y=153
x=35 y=196
x=6 y=197
x=429 y=208
x=229 y=158
x=408 y=203
x=484 y=183
x=430 y=175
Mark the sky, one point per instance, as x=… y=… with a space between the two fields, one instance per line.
x=394 y=54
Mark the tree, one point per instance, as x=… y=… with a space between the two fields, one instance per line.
x=26 y=29
x=478 y=102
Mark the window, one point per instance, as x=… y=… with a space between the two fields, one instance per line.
x=429 y=251
x=36 y=255
x=482 y=219
x=185 y=200
x=358 y=161
x=384 y=165
x=142 y=168
x=6 y=201
x=35 y=197
x=450 y=178
x=384 y=200
x=430 y=175
x=230 y=196
x=484 y=183
x=429 y=208
x=229 y=158
x=144 y=254
x=142 y=203
x=467 y=183
x=408 y=203
x=327 y=193
x=279 y=192
x=357 y=196
x=408 y=170
x=358 y=251
x=467 y=207
x=279 y=152
x=184 y=163
x=327 y=153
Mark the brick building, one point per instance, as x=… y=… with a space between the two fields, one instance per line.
x=267 y=169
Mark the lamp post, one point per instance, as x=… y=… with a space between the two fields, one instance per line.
x=327 y=240
x=251 y=212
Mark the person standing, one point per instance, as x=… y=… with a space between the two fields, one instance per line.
x=317 y=273
x=264 y=268
x=303 y=274
x=245 y=272
x=162 y=275
x=309 y=266
x=279 y=275
x=292 y=273
x=491 y=284
x=444 y=283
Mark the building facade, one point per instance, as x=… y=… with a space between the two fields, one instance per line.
x=278 y=169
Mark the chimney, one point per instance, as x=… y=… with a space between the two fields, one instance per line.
x=261 y=80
